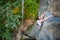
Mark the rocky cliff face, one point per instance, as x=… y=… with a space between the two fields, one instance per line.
x=43 y=7
x=51 y=27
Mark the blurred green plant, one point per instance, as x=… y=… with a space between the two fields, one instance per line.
x=11 y=15
x=10 y=18
x=31 y=9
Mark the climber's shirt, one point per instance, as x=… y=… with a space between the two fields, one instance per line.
x=38 y=22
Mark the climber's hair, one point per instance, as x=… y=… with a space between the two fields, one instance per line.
x=37 y=18
x=55 y=7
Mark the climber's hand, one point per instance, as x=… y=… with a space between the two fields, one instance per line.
x=42 y=20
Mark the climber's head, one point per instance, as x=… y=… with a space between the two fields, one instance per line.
x=40 y=18
x=55 y=8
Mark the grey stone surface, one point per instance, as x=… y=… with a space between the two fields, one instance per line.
x=49 y=31
x=51 y=27
x=43 y=6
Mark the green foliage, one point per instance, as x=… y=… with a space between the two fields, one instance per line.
x=31 y=9
x=9 y=20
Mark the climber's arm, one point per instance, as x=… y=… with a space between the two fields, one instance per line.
x=48 y=17
x=43 y=14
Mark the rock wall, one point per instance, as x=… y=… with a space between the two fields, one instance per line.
x=51 y=27
x=43 y=7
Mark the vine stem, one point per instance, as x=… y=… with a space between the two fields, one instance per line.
x=22 y=10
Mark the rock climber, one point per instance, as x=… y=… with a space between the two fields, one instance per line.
x=41 y=19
